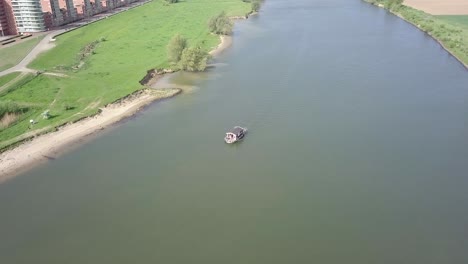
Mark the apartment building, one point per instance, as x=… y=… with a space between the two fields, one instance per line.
x=28 y=15
x=7 y=19
x=21 y=16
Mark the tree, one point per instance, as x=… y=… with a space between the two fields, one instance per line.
x=175 y=48
x=220 y=24
x=393 y=4
x=193 y=59
x=255 y=5
x=172 y=1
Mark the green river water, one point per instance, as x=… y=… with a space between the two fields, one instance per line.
x=357 y=153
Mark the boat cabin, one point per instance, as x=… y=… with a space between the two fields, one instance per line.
x=236 y=134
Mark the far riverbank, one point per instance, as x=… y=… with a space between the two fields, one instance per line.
x=449 y=36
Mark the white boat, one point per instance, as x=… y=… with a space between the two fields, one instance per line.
x=236 y=134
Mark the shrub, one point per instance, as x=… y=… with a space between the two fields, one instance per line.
x=393 y=4
x=10 y=107
x=255 y=6
x=193 y=59
x=175 y=48
x=220 y=24
x=8 y=119
x=67 y=107
x=10 y=112
x=46 y=114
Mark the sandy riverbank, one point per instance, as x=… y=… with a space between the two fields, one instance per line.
x=46 y=147
x=226 y=42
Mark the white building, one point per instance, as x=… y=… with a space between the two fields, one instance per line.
x=28 y=15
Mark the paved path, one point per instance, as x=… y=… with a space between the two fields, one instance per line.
x=42 y=46
x=46 y=44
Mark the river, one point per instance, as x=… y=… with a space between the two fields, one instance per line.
x=357 y=152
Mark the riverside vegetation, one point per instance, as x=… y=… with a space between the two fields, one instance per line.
x=105 y=61
x=450 y=31
x=183 y=57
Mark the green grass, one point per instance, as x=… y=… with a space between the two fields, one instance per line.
x=451 y=31
x=130 y=43
x=7 y=78
x=461 y=20
x=9 y=107
x=16 y=83
x=40 y=93
x=10 y=56
x=142 y=42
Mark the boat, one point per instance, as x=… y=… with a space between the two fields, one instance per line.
x=236 y=134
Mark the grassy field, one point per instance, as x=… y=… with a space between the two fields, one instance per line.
x=459 y=20
x=7 y=78
x=451 y=31
x=124 y=47
x=19 y=80
x=10 y=56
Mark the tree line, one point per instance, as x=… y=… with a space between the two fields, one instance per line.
x=183 y=57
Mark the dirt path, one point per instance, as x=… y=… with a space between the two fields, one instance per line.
x=440 y=7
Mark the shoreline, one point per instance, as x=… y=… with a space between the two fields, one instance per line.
x=437 y=40
x=427 y=33
x=225 y=42
x=46 y=147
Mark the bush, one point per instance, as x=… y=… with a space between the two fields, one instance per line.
x=220 y=24
x=67 y=107
x=46 y=114
x=175 y=48
x=393 y=4
x=8 y=119
x=193 y=59
x=255 y=6
x=172 y=1
x=8 y=107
